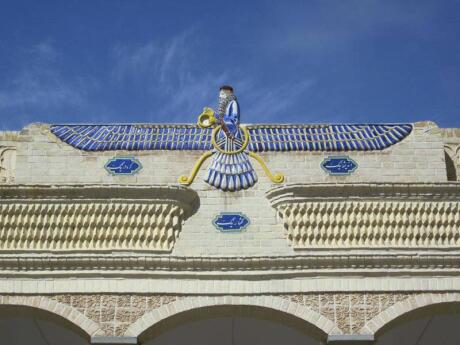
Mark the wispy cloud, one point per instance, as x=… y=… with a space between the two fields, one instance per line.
x=273 y=104
x=39 y=83
x=168 y=74
x=176 y=78
x=40 y=89
x=169 y=79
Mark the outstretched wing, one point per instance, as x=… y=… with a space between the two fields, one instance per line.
x=363 y=137
x=134 y=137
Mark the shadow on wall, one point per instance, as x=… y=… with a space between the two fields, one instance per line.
x=233 y=325
x=431 y=325
x=451 y=169
x=24 y=325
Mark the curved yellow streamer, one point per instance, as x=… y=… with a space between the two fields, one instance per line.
x=277 y=178
x=188 y=180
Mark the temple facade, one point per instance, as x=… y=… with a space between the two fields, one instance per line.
x=340 y=231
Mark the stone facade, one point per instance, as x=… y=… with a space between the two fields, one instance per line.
x=118 y=254
x=451 y=138
x=115 y=313
x=44 y=159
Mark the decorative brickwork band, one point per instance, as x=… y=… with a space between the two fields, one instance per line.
x=349 y=311
x=95 y=223
x=423 y=218
x=129 y=316
x=270 y=302
x=406 y=306
x=114 y=313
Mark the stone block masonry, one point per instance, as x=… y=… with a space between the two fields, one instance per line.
x=119 y=255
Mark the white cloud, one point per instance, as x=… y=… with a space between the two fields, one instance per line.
x=166 y=72
x=170 y=79
x=38 y=88
x=270 y=104
x=39 y=83
x=172 y=74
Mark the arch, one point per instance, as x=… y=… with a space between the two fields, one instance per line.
x=46 y=304
x=452 y=174
x=282 y=305
x=410 y=304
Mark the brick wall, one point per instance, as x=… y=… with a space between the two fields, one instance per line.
x=44 y=159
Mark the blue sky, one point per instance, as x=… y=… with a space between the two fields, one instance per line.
x=327 y=61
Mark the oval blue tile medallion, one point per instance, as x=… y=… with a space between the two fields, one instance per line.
x=123 y=166
x=231 y=221
x=339 y=165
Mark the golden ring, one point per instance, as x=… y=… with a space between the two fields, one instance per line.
x=241 y=149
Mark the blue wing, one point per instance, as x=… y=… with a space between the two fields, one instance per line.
x=134 y=137
x=361 y=137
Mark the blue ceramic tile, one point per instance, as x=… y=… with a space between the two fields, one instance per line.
x=231 y=222
x=339 y=165
x=123 y=166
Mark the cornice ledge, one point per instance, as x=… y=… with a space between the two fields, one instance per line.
x=291 y=193
x=65 y=193
x=66 y=263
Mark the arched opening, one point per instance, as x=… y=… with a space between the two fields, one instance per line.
x=450 y=167
x=433 y=324
x=233 y=325
x=21 y=325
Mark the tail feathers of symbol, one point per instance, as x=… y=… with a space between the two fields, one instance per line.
x=231 y=172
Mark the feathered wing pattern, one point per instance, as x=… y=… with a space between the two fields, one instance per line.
x=231 y=172
x=263 y=138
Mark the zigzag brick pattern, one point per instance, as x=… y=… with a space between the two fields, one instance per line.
x=101 y=226
x=373 y=224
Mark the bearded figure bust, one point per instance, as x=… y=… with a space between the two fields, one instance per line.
x=230 y=168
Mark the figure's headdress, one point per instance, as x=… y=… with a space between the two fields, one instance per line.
x=224 y=102
x=226 y=87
